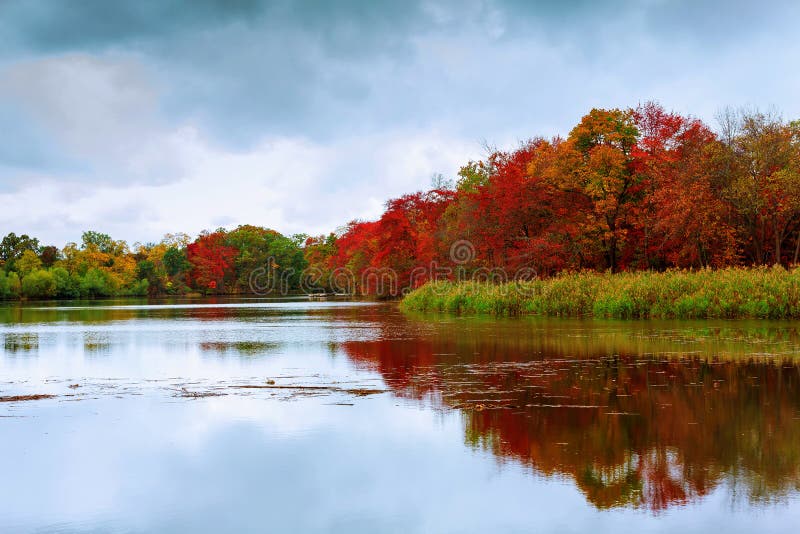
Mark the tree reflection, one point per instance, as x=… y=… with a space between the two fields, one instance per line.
x=629 y=428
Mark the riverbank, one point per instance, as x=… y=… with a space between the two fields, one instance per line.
x=772 y=293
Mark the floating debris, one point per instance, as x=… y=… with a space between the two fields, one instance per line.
x=20 y=398
x=358 y=392
x=198 y=394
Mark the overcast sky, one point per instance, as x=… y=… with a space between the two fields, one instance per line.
x=151 y=116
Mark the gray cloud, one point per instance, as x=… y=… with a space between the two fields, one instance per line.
x=48 y=26
x=30 y=147
x=246 y=68
x=123 y=94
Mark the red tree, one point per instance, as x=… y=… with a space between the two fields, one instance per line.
x=212 y=261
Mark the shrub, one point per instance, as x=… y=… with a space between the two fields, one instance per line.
x=67 y=285
x=9 y=285
x=39 y=284
x=97 y=283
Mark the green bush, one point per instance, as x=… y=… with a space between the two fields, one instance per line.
x=138 y=288
x=97 y=283
x=68 y=285
x=4 y=291
x=39 y=284
x=9 y=285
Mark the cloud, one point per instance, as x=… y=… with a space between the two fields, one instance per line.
x=99 y=113
x=46 y=26
x=281 y=183
x=103 y=103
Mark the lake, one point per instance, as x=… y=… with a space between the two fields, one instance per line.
x=297 y=416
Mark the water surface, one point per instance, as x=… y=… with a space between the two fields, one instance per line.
x=279 y=416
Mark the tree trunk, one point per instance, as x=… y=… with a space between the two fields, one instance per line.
x=797 y=248
x=612 y=255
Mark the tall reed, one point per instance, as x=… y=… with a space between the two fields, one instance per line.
x=727 y=293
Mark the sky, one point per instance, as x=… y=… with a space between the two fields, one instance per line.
x=137 y=118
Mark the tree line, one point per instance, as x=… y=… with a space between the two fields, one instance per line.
x=632 y=189
x=213 y=263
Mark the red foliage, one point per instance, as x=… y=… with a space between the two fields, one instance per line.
x=384 y=254
x=520 y=219
x=600 y=421
x=628 y=189
x=682 y=222
x=211 y=261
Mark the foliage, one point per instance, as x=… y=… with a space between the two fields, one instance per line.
x=98 y=283
x=212 y=261
x=264 y=248
x=9 y=285
x=28 y=262
x=39 y=284
x=67 y=285
x=636 y=189
x=98 y=241
x=12 y=247
x=218 y=262
x=48 y=256
x=175 y=261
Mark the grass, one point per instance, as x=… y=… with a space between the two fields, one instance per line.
x=769 y=293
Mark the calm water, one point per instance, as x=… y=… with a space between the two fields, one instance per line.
x=293 y=416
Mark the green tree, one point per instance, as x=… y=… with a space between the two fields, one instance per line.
x=264 y=248
x=39 y=284
x=140 y=288
x=97 y=283
x=9 y=285
x=12 y=246
x=101 y=242
x=147 y=271
x=175 y=261
x=475 y=174
x=67 y=285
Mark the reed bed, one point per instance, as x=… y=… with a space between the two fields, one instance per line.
x=766 y=292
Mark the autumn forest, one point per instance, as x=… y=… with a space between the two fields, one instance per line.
x=626 y=190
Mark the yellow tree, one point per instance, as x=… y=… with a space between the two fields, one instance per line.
x=28 y=262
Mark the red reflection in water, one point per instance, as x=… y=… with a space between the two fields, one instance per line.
x=630 y=430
